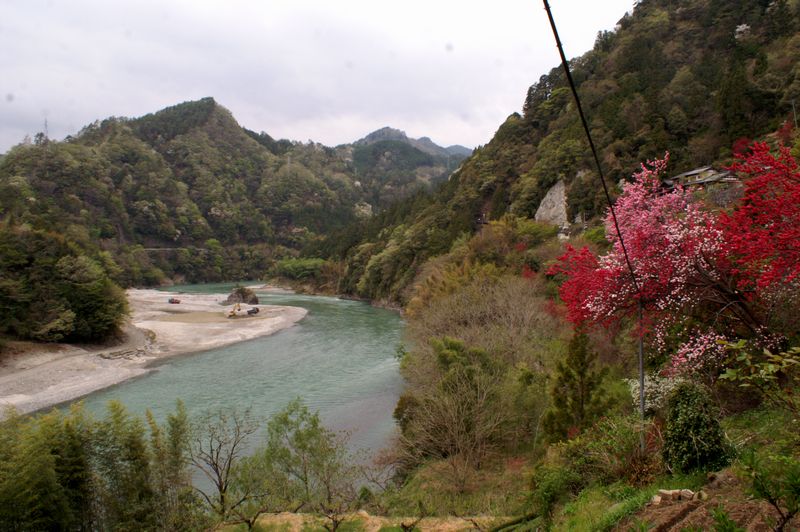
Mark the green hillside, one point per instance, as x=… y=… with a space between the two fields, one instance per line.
x=186 y=193
x=695 y=78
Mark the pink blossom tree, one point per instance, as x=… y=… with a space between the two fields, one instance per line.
x=700 y=277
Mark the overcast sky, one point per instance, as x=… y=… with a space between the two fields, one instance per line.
x=328 y=70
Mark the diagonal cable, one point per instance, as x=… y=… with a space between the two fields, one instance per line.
x=571 y=82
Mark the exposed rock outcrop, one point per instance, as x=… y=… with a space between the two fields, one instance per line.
x=553 y=208
x=242 y=294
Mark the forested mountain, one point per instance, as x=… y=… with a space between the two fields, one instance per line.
x=696 y=78
x=187 y=192
x=423 y=144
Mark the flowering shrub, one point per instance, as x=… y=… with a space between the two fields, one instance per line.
x=657 y=390
x=700 y=277
x=703 y=354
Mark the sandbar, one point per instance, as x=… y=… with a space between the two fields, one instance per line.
x=37 y=376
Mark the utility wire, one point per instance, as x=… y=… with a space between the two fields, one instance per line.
x=571 y=82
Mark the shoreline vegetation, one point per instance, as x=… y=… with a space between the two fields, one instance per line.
x=35 y=376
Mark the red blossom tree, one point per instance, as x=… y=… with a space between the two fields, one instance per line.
x=762 y=237
x=763 y=233
x=699 y=275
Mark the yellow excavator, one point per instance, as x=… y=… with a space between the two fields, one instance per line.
x=235 y=310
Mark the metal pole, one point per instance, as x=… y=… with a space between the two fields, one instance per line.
x=641 y=372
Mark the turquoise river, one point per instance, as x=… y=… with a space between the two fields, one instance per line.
x=340 y=359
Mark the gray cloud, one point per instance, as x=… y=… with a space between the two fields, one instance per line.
x=305 y=69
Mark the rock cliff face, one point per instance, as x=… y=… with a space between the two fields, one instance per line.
x=553 y=208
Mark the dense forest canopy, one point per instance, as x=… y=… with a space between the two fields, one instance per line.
x=51 y=291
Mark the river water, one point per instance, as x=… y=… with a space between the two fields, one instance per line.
x=340 y=359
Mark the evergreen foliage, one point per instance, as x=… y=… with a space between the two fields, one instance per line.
x=577 y=395
x=51 y=291
x=693 y=438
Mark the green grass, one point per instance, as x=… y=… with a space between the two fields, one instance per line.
x=270 y=528
x=351 y=525
x=600 y=508
x=766 y=429
x=494 y=490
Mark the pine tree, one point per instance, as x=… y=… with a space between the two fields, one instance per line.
x=577 y=396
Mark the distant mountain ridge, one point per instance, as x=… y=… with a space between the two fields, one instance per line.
x=424 y=144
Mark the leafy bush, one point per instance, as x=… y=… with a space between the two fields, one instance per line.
x=693 y=438
x=596 y=235
x=611 y=451
x=299 y=269
x=608 y=455
x=530 y=231
x=551 y=485
x=777 y=481
x=462 y=418
x=775 y=375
